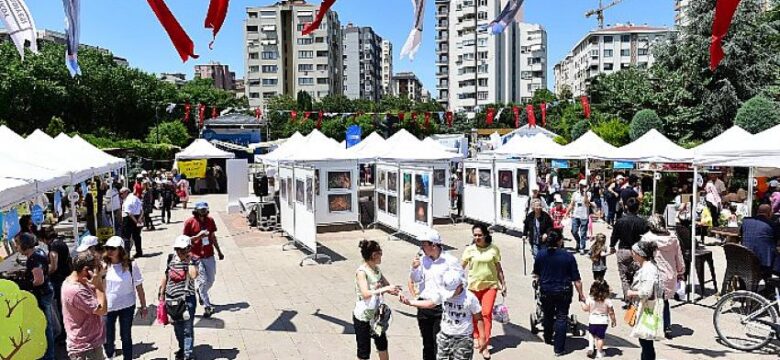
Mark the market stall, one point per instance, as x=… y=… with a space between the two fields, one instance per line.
x=194 y=161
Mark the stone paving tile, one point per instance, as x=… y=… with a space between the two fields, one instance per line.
x=271 y=308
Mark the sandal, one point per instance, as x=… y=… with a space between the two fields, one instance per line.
x=486 y=354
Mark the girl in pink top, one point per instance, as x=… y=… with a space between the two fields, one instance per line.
x=601 y=313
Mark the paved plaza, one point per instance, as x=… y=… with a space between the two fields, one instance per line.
x=268 y=307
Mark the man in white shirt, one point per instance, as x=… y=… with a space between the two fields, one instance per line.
x=132 y=208
x=428 y=271
x=578 y=208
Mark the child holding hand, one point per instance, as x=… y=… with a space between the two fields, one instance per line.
x=600 y=315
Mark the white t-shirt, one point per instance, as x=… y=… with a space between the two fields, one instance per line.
x=457 y=313
x=580 y=209
x=113 y=200
x=132 y=206
x=598 y=311
x=120 y=286
x=429 y=275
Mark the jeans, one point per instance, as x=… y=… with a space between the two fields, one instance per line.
x=125 y=317
x=207 y=272
x=555 y=307
x=184 y=331
x=45 y=303
x=648 y=349
x=667 y=316
x=57 y=286
x=429 y=322
x=579 y=229
x=166 y=209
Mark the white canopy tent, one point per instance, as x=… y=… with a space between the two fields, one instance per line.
x=50 y=155
x=759 y=150
x=282 y=150
x=317 y=147
x=369 y=148
x=27 y=180
x=115 y=163
x=100 y=164
x=588 y=146
x=403 y=146
x=536 y=147
x=652 y=147
x=202 y=149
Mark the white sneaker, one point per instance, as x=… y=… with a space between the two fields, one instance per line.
x=599 y=355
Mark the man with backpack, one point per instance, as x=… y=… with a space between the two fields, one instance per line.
x=201 y=230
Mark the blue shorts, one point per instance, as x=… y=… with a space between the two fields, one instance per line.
x=598 y=330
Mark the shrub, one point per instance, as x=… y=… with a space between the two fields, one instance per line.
x=171 y=132
x=56 y=126
x=579 y=129
x=757 y=114
x=644 y=121
x=613 y=131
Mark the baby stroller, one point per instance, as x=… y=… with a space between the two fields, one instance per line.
x=537 y=317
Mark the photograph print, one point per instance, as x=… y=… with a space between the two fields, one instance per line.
x=505 y=179
x=340 y=203
x=484 y=177
x=392 y=204
x=506 y=207
x=407 y=187
x=471 y=176
x=381 y=202
x=339 y=180
x=421 y=211
x=289 y=192
x=522 y=182
x=299 y=191
x=283 y=189
x=392 y=181
x=382 y=183
x=422 y=184
x=309 y=194
x=440 y=177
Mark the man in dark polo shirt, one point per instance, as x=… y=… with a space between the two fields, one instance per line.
x=556 y=271
x=628 y=230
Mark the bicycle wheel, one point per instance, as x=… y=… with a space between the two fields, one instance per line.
x=741 y=323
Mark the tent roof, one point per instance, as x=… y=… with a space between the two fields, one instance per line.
x=115 y=162
x=538 y=147
x=316 y=147
x=9 y=135
x=100 y=161
x=652 y=147
x=589 y=146
x=26 y=180
x=405 y=146
x=371 y=147
x=759 y=150
x=528 y=131
x=735 y=136
x=283 y=150
x=51 y=154
x=202 y=149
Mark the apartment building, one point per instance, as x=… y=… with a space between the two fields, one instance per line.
x=406 y=84
x=606 y=51
x=221 y=75
x=279 y=60
x=387 y=67
x=362 y=63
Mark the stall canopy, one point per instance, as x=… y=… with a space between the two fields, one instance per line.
x=26 y=180
x=283 y=150
x=45 y=152
x=528 y=131
x=405 y=146
x=588 y=146
x=652 y=147
x=114 y=162
x=317 y=147
x=9 y=135
x=759 y=150
x=101 y=164
x=369 y=148
x=535 y=147
x=202 y=149
x=733 y=138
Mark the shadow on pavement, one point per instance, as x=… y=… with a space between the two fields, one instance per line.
x=709 y=353
x=348 y=327
x=231 y=307
x=513 y=336
x=210 y=323
x=150 y=318
x=142 y=348
x=151 y=255
x=284 y=322
x=208 y=352
x=679 y=330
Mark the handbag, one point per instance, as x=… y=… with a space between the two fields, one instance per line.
x=177 y=309
x=630 y=316
x=501 y=312
x=162 y=315
x=383 y=317
x=650 y=324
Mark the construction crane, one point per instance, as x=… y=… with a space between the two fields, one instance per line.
x=600 y=11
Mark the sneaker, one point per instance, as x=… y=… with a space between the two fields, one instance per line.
x=180 y=355
x=590 y=353
x=208 y=312
x=599 y=355
x=582 y=252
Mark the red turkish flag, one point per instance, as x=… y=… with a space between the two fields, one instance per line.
x=401 y=116
x=491 y=113
x=187 y=108
x=293 y=115
x=258 y=113
x=314 y=25
x=215 y=17
x=213 y=112
x=724 y=13
x=529 y=109
x=585 y=106
x=319 y=119
x=516 y=112
x=306 y=116
x=427 y=120
x=181 y=41
x=449 y=118
x=201 y=115
x=543 y=107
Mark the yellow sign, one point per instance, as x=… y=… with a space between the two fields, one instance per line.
x=193 y=168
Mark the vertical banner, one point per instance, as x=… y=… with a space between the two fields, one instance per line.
x=543 y=108
x=181 y=41
x=516 y=113
x=72 y=32
x=187 y=108
x=529 y=110
x=489 y=115
x=427 y=120
x=585 y=106
x=354 y=133
x=293 y=116
x=449 y=118
x=724 y=14
x=319 y=119
x=201 y=115
x=414 y=39
x=321 y=12
x=19 y=23
x=215 y=17
x=214 y=112
x=258 y=113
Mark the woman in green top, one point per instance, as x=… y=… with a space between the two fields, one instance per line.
x=482 y=259
x=370 y=284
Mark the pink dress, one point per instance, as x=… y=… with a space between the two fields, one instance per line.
x=183 y=190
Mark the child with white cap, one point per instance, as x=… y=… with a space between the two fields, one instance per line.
x=460 y=308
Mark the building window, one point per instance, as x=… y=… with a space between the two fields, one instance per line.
x=608 y=53
x=254 y=82
x=608 y=66
x=642 y=52
x=625 y=38
x=323 y=81
x=625 y=65
x=324 y=67
x=482 y=95
x=305 y=67
x=252 y=15
x=254 y=68
x=254 y=95
x=625 y=52
x=607 y=39
x=270 y=68
x=269 y=55
x=268 y=95
x=270 y=82
x=251 y=28
x=305 y=81
x=322 y=53
x=305 y=54
x=319 y=40
x=525 y=75
x=305 y=41
x=268 y=14
x=254 y=56
x=642 y=65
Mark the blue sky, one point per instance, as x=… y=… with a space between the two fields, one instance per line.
x=130 y=29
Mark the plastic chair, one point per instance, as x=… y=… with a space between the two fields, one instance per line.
x=742 y=264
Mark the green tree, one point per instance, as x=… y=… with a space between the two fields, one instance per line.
x=758 y=114
x=644 y=121
x=304 y=101
x=55 y=127
x=580 y=128
x=543 y=96
x=623 y=92
x=614 y=131
x=170 y=132
x=335 y=103
x=565 y=94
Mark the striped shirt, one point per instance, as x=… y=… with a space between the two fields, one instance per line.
x=178 y=290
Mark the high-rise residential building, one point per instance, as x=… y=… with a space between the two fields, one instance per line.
x=221 y=75
x=362 y=63
x=177 y=79
x=387 y=67
x=279 y=60
x=477 y=68
x=407 y=85
x=606 y=51
x=240 y=88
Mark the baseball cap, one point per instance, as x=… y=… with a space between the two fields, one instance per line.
x=619 y=177
x=115 y=241
x=558 y=199
x=124 y=190
x=583 y=182
x=143 y=172
x=451 y=279
x=774 y=183
x=432 y=236
x=87 y=242
x=181 y=242
x=202 y=206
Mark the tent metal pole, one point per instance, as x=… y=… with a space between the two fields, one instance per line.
x=694 y=198
x=655 y=187
x=751 y=176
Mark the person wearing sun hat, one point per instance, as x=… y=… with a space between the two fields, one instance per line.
x=428 y=267
x=461 y=309
x=578 y=209
x=123 y=281
x=177 y=287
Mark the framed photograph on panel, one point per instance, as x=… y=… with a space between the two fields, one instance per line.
x=340 y=203
x=505 y=179
x=471 y=176
x=339 y=180
x=439 y=177
x=484 y=177
x=506 y=206
x=522 y=182
x=421 y=211
x=407 y=187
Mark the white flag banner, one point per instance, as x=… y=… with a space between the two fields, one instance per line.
x=20 y=25
x=415 y=36
x=72 y=34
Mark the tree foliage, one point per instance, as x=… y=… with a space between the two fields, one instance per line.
x=614 y=131
x=55 y=127
x=758 y=114
x=580 y=128
x=644 y=121
x=170 y=132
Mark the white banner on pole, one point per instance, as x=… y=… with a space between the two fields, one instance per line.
x=20 y=25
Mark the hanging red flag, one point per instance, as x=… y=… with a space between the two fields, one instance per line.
x=293 y=116
x=201 y=115
x=427 y=120
x=449 y=118
x=215 y=17
x=187 y=108
x=306 y=116
x=214 y=112
x=543 y=107
x=529 y=110
x=414 y=118
x=324 y=7
x=401 y=117
x=516 y=112
x=491 y=113
x=585 y=106
x=258 y=112
x=319 y=119
x=724 y=14
x=181 y=41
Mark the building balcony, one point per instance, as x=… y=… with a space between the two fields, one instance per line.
x=442 y=50
x=442 y=24
x=442 y=14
